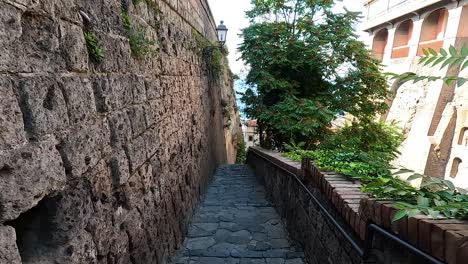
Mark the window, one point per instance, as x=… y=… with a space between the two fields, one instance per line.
x=379 y=43
x=402 y=38
x=250 y=138
x=433 y=31
x=463 y=138
x=455 y=166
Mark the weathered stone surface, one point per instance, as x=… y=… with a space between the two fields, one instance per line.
x=82 y=151
x=27 y=175
x=12 y=133
x=8 y=250
x=105 y=162
x=43 y=105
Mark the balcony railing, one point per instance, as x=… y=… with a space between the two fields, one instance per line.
x=381 y=11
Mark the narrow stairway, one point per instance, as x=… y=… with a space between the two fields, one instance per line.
x=235 y=224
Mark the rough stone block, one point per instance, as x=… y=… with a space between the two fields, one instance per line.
x=85 y=146
x=153 y=89
x=43 y=105
x=137 y=154
x=119 y=168
x=104 y=15
x=112 y=93
x=10 y=31
x=73 y=46
x=12 y=134
x=139 y=89
x=78 y=94
x=38 y=44
x=121 y=128
x=8 y=249
x=117 y=54
x=137 y=117
x=27 y=175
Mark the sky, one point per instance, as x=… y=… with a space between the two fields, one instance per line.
x=232 y=12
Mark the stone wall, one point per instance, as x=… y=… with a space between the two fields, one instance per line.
x=104 y=162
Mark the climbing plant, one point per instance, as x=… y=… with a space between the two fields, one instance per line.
x=452 y=58
x=212 y=53
x=306 y=65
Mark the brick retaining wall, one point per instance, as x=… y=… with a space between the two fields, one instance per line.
x=289 y=184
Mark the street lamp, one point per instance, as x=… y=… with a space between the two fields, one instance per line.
x=222 y=32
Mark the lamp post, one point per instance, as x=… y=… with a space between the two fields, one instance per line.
x=222 y=32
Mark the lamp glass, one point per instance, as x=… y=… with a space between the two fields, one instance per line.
x=222 y=32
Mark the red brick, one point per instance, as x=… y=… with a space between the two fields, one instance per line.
x=413 y=229
x=386 y=214
x=438 y=236
x=455 y=246
x=399 y=227
x=462 y=253
x=363 y=229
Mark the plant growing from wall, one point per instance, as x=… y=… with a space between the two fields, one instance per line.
x=140 y=45
x=212 y=54
x=306 y=65
x=95 y=52
x=452 y=58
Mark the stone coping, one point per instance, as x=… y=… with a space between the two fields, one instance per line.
x=445 y=239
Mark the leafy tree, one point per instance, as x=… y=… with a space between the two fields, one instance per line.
x=306 y=65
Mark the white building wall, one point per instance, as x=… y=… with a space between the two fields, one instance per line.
x=433 y=114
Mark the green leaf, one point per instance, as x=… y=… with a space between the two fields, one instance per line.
x=439 y=202
x=401 y=171
x=464 y=51
x=448 y=80
x=429 y=61
x=438 y=61
x=461 y=81
x=433 y=213
x=415 y=177
x=425 y=52
x=443 y=52
x=456 y=62
x=464 y=65
x=413 y=212
x=423 y=201
x=447 y=62
x=432 y=51
x=453 y=51
x=399 y=215
x=449 y=184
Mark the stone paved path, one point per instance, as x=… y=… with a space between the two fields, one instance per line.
x=237 y=225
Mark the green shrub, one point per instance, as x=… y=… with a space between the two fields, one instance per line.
x=95 y=52
x=363 y=152
x=241 y=151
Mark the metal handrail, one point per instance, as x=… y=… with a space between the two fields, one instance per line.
x=371 y=228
